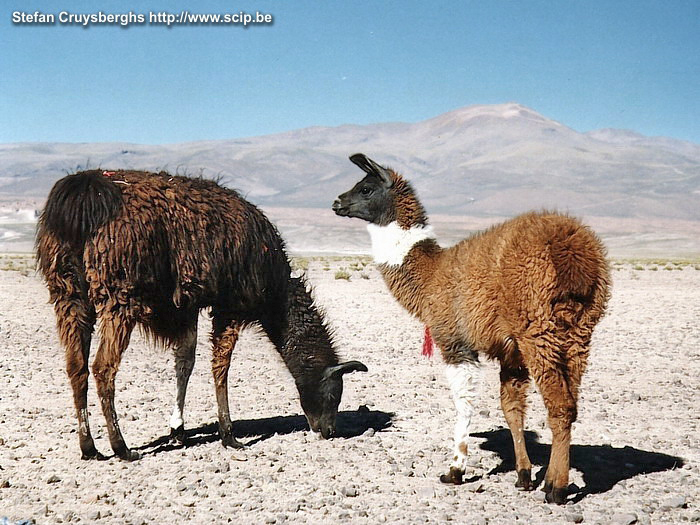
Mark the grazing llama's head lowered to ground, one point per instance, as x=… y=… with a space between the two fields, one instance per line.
x=527 y=292
x=153 y=249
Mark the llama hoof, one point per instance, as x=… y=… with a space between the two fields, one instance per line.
x=453 y=477
x=556 y=495
x=93 y=454
x=524 y=480
x=177 y=435
x=231 y=442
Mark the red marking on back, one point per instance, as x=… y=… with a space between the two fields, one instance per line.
x=427 y=343
x=109 y=173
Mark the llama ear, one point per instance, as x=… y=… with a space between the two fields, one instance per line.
x=372 y=168
x=344 y=368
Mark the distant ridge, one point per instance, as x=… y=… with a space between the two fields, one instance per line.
x=492 y=160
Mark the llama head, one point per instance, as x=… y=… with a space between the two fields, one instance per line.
x=320 y=399
x=370 y=199
x=380 y=198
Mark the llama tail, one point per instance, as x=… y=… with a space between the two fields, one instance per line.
x=583 y=276
x=580 y=261
x=78 y=205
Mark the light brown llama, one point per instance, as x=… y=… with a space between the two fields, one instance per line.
x=527 y=292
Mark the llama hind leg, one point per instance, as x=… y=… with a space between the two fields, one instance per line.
x=224 y=338
x=463 y=379
x=115 y=334
x=551 y=377
x=184 y=363
x=514 y=385
x=75 y=320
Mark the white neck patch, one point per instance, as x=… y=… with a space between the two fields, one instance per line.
x=391 y=243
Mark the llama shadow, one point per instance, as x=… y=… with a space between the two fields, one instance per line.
x=602 y=466
x=348 y=425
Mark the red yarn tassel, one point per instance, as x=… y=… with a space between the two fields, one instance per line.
x=427 y=343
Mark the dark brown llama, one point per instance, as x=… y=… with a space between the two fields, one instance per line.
x=527 y=292
x=152 y=249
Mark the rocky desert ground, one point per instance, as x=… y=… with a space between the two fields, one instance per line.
x=635 y=453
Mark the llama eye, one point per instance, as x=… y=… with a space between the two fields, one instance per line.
x=366 y=190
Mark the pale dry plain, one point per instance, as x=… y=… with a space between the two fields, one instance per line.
x=635 y=454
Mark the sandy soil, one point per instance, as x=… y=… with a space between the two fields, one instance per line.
x=635 y=454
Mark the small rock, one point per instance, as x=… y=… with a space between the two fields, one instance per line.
x=53 y=479
x=474 y=461
x=475 y=486
x=644 y=519
x=484 y=412
x=270 y=519
x=426 y=492
x=369 y=432
x=4 y=484
x=94 y=515
x=222 y=467
x=349 y=492
x=695 y=516
x=624 y=519
x=676 y=502
x=575 y=517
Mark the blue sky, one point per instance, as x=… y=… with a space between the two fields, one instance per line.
x=589 y=64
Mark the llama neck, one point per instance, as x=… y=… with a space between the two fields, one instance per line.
x=391 y=243
x=407 y=258
x=307 y=346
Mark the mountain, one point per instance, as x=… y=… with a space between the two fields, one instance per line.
x=495 y=160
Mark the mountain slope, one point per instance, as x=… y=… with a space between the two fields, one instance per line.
x=480 y=160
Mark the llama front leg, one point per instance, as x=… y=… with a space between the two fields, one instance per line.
x=115 y=334
x=224 y=337
x=463 y=379
x=184 y=363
